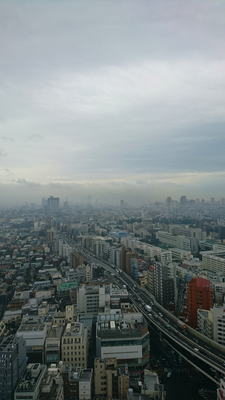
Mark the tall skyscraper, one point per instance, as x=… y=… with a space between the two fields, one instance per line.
x=122 y=203
x=53 y=205
x=183 y=201
x=168 y=203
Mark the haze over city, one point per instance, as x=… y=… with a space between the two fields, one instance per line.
x=112 y=99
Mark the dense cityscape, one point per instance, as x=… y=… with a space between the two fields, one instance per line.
x=112 y=302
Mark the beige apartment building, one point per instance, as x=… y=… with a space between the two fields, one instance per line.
x=105 y=377
x=74 y=349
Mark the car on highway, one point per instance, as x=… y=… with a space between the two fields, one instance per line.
x=195 y=349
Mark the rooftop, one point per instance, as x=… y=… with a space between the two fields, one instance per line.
x=27 y=327
x=8 y=344
x=31 y=377
x=55 y=332
x=73 y=329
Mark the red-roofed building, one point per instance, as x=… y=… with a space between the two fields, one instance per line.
x=199 y=295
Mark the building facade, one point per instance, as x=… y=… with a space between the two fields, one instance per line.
x=124 y=337
x=12 y=365
x=74 y=348
x=199 y=296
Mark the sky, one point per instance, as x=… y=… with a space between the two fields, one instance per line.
x=119 y=99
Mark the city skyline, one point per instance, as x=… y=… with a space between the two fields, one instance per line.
x=113 y=100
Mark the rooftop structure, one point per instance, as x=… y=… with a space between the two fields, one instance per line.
x=29 y=386
x=123 y=336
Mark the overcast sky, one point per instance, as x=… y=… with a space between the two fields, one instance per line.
x=115 y=93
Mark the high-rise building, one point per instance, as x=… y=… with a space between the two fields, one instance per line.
x=168 y=202
x=219 y=324
x=134 y=269
x=151 y=280
x=126 y=255
x=44 y=201
x=199 y=295
x=122 y=204
x=165 y=284
x=183 y=201
x=12 y=365
x=53 y=205
x=75 y=337
x=76 y=260
x=51 y=234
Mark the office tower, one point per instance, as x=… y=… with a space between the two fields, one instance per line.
x=12 y=365
x=212 y=200
x=168 y=202
x=53 y=204
x=44 y=202
x=183 y=201
x=122 y=203
x=199 y=295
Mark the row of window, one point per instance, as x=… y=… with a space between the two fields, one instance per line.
x=75 y=359
x=71 y=340
x=76 y=364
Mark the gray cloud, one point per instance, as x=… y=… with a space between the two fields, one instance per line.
x=118 y=91
x=35 y=136
x=2 y=153
x=24 y=182
x=7 y=139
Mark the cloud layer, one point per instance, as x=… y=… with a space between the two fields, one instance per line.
x=113 y=92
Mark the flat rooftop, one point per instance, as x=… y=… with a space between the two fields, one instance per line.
x=55 y=332
x=28 y=327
